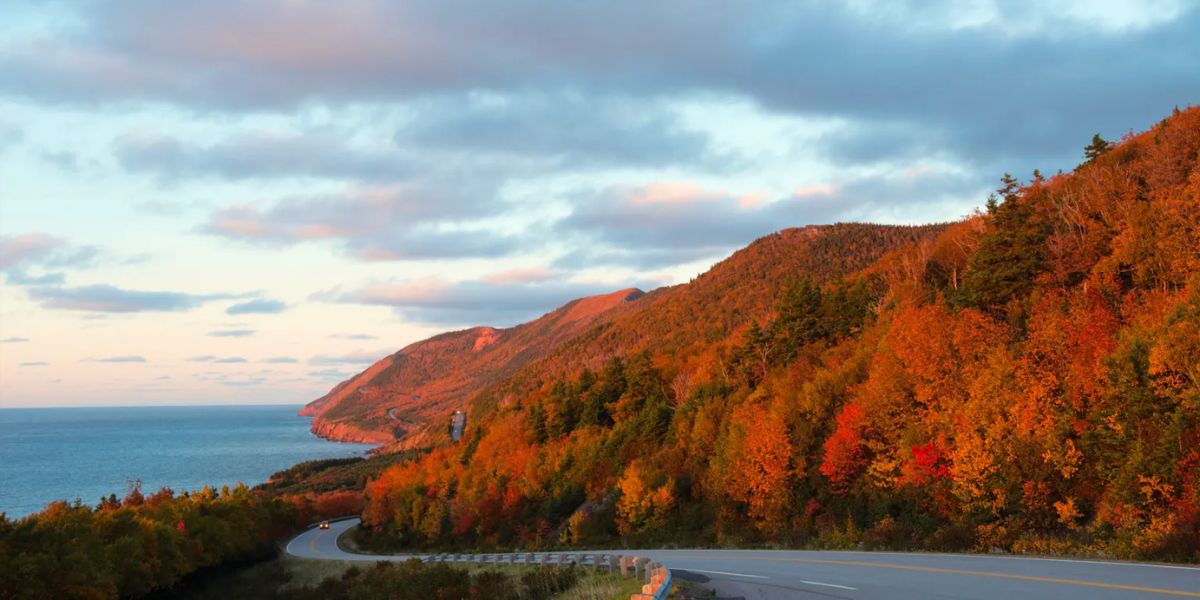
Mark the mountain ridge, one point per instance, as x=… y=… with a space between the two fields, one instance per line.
x=1024 y=380
x=396 y=401
x=399 y=400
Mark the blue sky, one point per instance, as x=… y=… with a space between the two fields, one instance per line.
x=221 y=202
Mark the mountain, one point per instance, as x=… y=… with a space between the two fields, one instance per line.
x=1022 y=380
x=406 y=398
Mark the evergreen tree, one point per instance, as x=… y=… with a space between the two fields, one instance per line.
x=1010 y=255
x=1010 y=188
x=1096 y=149
x=799 y=321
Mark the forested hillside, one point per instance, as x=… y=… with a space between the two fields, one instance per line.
x=405 y=399
x=1027 y=380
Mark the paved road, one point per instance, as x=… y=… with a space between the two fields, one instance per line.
x=861 y=575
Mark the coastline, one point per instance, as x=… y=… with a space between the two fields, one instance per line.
x=90 y=452
x=345 y=433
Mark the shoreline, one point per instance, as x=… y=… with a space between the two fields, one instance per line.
x=213 y=454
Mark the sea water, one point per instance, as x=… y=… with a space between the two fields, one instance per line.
x=49 y=454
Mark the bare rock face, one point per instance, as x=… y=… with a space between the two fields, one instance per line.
x=343 y=432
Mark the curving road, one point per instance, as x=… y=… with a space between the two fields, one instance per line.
x=860 y=575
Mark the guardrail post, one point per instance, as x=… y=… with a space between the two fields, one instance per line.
x=598 y=562
x=626 y=566
x=639 y=566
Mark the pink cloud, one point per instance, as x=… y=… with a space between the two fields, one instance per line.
x=418 y=291
x=673 y=192
x=239 y=222
x=816 y=189
x=18 y=248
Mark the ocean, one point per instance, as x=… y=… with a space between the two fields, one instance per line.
x=49 y=454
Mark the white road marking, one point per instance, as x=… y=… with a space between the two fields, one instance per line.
x=726 y=573
x=1116 y=563
x=832 y=585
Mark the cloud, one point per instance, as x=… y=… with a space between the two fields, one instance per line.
x=14 y=340
x=587 y=257
x=563 y=129
x=377 y=223
x=256 y=155
x=329 y=374
x=441 y=302
x=18 y=249
x=43 y=250
x=679 y=216
x=65 y=160
x=10 y=135
x=232 y=333
x=209 y=358
x=17 y=277
x=128 y=358
x=107 y=298
x=259 y=306
x=935 y=65
x=280 y=360
x=671 y=223
x=35 y=363
x=521 y=275
x=251 y=381
x=43 y=253
x=358 y=357
x=353 y=336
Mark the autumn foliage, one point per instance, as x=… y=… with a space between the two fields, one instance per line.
x=1027 y=379
x=137 y=545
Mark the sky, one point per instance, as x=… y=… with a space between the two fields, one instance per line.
x=230 y=202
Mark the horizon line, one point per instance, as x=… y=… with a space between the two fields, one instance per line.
x=205 y=405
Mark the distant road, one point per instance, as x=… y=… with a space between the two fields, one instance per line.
x=791 y=574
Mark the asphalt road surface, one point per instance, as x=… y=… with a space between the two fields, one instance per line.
x=755 y=574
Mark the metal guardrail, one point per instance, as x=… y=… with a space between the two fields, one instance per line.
x=655 y=577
